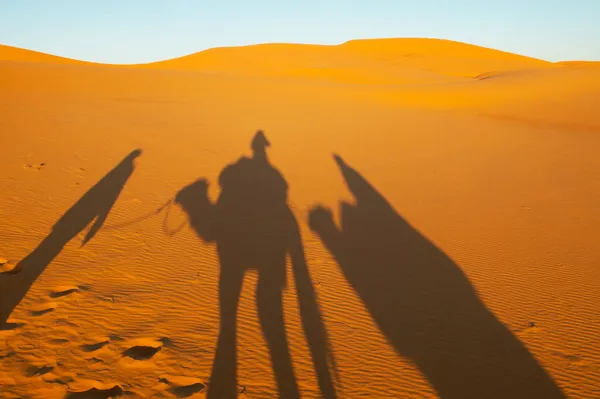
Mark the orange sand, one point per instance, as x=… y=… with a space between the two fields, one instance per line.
x=466 y=265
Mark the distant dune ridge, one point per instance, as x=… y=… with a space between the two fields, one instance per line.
x=450 y=249
x=386 y=51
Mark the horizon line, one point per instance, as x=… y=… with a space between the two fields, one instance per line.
x=286 y=43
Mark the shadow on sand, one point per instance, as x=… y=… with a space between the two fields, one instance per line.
x=95 y=204
x=254 y=228
x=424 y=303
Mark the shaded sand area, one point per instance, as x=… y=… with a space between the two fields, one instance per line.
x=419 y=219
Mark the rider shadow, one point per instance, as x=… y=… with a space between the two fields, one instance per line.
x=254 y=228
x=94 y=205
x=423 y=302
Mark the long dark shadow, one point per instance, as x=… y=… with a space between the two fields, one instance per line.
x=95 y=204
x=254 y=228
x=424 y=303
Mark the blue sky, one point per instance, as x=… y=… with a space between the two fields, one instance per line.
x=133 y=31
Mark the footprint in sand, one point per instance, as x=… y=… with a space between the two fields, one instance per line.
x=182 y=387
x=62 y=379
x=34 y=371
x=95 y=344
x=143 y=349
x=61 y=291
x=530 y=328
x=141 y=352
x=43 y=309
x=86 y=389
x=38 y=166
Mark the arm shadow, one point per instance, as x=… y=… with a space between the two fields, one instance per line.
x=94 y=205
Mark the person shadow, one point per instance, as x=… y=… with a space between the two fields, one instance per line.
x=95 y=204
x=423 y=303
x=254 y=228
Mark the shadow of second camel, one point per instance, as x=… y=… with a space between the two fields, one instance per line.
x=423 y=302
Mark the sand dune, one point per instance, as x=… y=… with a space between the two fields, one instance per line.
x=367 y=61
x=9 y=53
x=448 y=250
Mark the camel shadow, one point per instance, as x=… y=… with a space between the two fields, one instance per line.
x=254 y=228
x=95 y=204
x=423 y=302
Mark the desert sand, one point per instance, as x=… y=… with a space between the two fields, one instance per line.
x=424 y=223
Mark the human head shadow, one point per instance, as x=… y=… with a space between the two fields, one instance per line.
x=95 y=204
x=423 y=303
x=254 y=228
